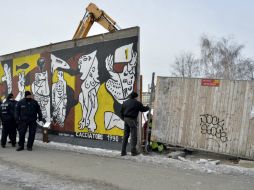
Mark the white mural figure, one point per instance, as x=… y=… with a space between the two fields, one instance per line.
x=7 y=78
x=88 y=67
x=59 y=99
x=112 y=120
x=40 y=89
x=120 y=85
x=21 y=86
x=58 y=63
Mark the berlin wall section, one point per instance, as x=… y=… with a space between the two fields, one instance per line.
x=79 y=84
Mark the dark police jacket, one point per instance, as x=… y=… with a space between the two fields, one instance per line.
x=7 y=111
x=131 y=108
x=27 y=110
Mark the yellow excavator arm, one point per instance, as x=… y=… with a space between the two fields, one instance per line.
x=94 y=14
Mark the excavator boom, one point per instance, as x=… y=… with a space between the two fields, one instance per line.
x=94 y=14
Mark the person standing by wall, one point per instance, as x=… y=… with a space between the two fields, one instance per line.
x=7 y=114
x=148 y=126
x=27 y=112
x=129 y=111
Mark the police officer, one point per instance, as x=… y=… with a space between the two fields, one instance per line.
x=129 y=111
x=27 y=112
x=7 y=114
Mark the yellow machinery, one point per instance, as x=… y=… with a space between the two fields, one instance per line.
x=94 y=14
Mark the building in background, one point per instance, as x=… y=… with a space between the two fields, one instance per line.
x=146 y=99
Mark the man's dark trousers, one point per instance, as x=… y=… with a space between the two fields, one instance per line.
x=130 y=126
x=31 y=134
x=9 y=128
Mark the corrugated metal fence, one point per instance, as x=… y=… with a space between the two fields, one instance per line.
x=212 y=115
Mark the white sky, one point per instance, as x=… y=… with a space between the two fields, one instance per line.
x=168 y=27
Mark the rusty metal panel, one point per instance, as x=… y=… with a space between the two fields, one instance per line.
x=211 y=115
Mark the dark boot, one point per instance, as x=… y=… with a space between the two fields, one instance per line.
x=20 y=148
x=134 y=153
x=123 y=153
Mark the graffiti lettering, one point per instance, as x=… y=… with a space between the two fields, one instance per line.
x=212 y=125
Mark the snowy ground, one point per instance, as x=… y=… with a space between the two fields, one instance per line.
x=58 y=166
x=17 y=178
x=154 y=159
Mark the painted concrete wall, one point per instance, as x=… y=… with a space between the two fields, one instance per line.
x=212 y=115
x=81 y=84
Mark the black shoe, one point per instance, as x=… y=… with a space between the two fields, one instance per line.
x=20 y=148
x=29 y=148
x=135 y=153
x=123 y=154
x=3 y=146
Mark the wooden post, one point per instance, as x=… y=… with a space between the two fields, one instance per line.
x=139 y=144
x=45 y=132
x=45 y=137
x=149 y=112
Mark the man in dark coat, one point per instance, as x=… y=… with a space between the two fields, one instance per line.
x=129 y=111
x=7 y=114
x=27 y=112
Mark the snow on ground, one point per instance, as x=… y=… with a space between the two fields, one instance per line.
x=19 y=178
x=28 y=180
x=153 y=159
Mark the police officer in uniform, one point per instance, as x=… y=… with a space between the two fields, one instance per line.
x=27 y=112
x=7 y=114
x=129 y=111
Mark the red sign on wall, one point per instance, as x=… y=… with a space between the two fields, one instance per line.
x=210 y=82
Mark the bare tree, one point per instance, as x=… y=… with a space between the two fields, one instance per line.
x=244 y=69
x=208 y=58
x=223 y=59
x=186 y=65
x=220 y=59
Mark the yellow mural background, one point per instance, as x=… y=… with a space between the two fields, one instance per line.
x=70 y=80
x=1 y=75
x=31 y=60
x=1 y=71
x=105 y=103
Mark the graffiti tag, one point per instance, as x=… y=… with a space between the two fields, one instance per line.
x=212 y=125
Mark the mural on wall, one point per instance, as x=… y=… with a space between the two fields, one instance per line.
x=7 y=77
x=88 y=67
x=57 y=63
x=40 y=89
x=59 y=99
x=120 y=85
x=81 y=89
x=213 y=126
x=21 y=86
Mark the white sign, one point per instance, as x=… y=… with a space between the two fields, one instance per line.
x=46 y=125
